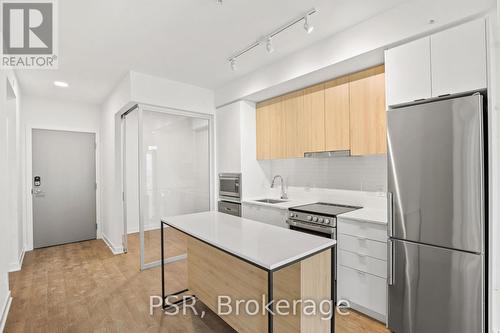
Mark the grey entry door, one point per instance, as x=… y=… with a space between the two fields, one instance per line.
x=64 y=187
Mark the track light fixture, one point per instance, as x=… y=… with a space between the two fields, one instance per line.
x=219 y=2
x=269 y=45
x=307 y=26
x=268 y=40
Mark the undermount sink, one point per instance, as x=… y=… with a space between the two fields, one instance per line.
x=270 y=201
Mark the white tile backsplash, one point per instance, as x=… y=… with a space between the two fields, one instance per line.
x=364 y=173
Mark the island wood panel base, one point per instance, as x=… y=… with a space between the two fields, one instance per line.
x=306 y=280
x=213 y=273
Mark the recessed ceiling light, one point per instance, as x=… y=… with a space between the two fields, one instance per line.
x=61 y=84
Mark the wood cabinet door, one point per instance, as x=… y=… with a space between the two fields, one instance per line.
x=314 y=114
x=263 y=135
x=408 y=70
x=367 y=112
x=458 y=58
x=296 y=133
x=336 y=122
x=269 y=123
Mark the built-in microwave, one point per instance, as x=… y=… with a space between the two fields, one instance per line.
x=230 y=186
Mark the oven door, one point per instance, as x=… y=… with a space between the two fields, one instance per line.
x=230 y=185
x=317 y=230
x=321 y=231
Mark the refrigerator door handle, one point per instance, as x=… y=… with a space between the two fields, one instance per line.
x=390 y=262
x=390 y=214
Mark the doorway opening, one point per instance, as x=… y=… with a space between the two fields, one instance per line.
x=167 y=171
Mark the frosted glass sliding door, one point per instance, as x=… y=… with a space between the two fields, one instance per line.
x=175 y=164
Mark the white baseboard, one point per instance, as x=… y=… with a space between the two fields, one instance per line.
x=5 y=311
x=115 y=249
x=16 y=266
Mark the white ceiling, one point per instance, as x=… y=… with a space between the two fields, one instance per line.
x=183 y=40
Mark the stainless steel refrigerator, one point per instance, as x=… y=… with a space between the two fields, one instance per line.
x=437 y=216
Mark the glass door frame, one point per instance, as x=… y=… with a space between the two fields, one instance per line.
x=142 y=173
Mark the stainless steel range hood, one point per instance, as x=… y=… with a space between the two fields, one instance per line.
x=326 y=154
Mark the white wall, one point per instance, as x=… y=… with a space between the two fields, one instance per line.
x=136 y=88
x=14 y=185
x=494 y=109
x=228 y=138
x=396 y=25
x=236 y=147
x=57 y=115
x=10 y=182
x=364 y=173
x=148 y=89
x=256 y=175
x=111 y=173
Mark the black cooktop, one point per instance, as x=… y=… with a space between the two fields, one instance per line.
x=323 y=208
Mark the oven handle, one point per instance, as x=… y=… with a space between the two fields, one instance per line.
x=325 y=230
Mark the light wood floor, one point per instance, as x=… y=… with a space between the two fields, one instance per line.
x=83 y=287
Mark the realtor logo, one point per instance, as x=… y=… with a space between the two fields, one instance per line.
x=28 y=36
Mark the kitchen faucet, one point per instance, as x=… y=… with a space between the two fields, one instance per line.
x=283 y=192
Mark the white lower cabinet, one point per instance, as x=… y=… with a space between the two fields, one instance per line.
x=362 y=266
x=274 y=216
x=365 y=292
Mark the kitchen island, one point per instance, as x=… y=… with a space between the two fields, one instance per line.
x=245 y=260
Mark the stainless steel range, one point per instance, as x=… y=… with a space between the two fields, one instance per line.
x=318 y=219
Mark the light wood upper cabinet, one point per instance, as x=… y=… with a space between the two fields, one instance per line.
x=367 y=112
x=314 y=111
x=294 y=120
x=347 y=113
x=270 y=129
x=336 y=120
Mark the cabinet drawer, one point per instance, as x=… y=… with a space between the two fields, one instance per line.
x=364 y=289
x=363 y=245
x=363 y=263
x=367 y=230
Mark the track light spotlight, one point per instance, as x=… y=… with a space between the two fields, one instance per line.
x=219 y=2
x=268 y=38
x=269 y=45
x=307 y=27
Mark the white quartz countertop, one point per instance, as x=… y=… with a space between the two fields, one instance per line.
x=267 y=246
x=367 y=215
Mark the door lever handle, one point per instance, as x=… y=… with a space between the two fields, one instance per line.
x=36 y=191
